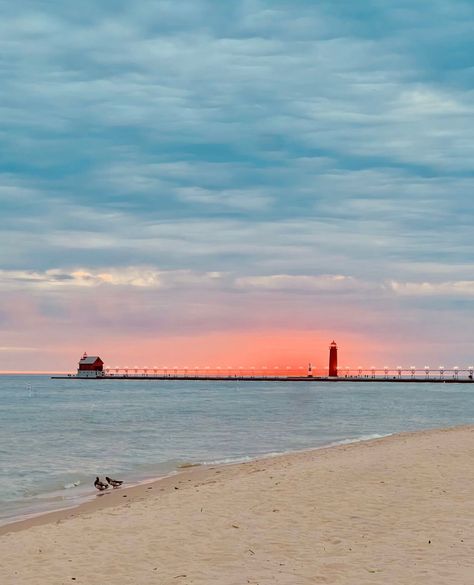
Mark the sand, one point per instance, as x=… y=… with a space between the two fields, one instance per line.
x=398 y=510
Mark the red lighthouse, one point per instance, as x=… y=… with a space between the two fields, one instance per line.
x=333 y=360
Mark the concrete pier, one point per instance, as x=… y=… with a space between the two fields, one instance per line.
x=190 y=378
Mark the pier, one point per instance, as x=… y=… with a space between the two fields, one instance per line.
x=92 y=367
x=290 y=374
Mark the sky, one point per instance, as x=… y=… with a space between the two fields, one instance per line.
x=199 y=182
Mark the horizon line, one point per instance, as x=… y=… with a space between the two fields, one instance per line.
x=30 y=373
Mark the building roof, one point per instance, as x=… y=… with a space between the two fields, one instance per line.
x=89 y=360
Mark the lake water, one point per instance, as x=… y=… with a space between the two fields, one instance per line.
x=57 y=435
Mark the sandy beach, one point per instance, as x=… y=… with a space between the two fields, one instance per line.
x=398 y=510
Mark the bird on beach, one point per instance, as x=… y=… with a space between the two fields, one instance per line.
x=115 y=483
x=99 y=485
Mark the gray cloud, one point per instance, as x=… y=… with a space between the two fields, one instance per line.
x=252 y=138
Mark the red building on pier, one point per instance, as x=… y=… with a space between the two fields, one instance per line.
x=90 y=367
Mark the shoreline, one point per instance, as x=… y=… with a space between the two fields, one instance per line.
x=188 y=472
x=101 y=500
x=94 y=500
x=397 y=509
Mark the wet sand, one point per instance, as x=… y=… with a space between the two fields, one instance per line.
x=398 y=510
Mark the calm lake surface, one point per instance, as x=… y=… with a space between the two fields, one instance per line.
x=57 y=435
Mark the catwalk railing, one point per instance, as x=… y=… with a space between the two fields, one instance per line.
x=291 y=372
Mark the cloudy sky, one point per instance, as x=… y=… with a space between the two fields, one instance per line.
x=200 y=182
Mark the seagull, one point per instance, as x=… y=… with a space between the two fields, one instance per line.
x=100 y=485
x=115 y=483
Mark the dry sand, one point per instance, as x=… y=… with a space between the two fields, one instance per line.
x=398 y=510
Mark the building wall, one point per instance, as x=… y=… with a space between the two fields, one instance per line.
x=95 y=367
x=90 y=373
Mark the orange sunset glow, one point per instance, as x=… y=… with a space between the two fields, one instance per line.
x=263 y=352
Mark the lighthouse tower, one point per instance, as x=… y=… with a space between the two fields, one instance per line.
x=333 y=360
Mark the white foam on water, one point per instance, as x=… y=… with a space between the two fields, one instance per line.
x=230 y=460
x=69 y=486
x=247 y=458
x=358 y=439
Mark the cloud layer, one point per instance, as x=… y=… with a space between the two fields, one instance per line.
x=199 y=167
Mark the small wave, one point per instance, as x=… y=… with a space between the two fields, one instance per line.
x=229 y=460
x=246 y=458
x=73 y=484
x=358 y=439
